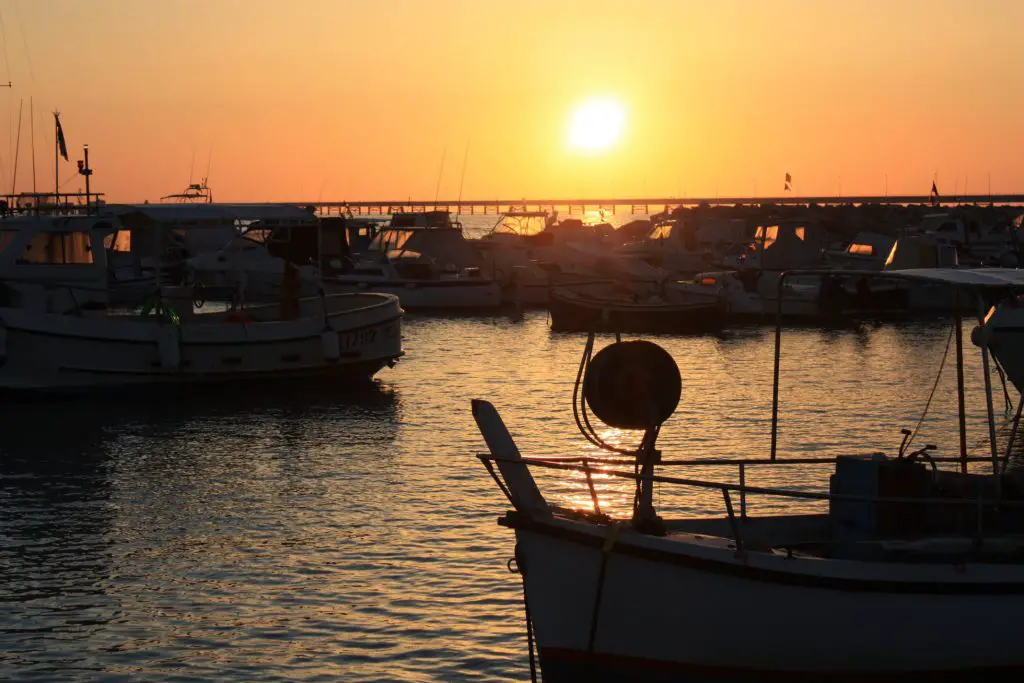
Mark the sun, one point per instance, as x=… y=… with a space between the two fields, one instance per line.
x=596 y=124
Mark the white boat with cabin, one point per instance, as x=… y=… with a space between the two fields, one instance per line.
x=529 y=252
x=214 y=245
x=688 y=244
x=52 y=339
x=424 y=260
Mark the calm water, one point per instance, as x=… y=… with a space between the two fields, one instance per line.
x=309 y=534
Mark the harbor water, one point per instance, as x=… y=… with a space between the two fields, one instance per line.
x=313 y=533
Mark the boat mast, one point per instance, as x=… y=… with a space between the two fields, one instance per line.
x=56 y=160
x=17 y=149
x=32 y=135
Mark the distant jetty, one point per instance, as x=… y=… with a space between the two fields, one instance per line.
x=642 y=204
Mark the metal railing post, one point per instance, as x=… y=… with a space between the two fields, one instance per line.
x=743 y=491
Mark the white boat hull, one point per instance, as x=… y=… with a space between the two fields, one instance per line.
x=50 y=352
x=718 y=616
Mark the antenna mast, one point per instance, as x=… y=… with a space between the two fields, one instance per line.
x=32 y=128
x=17 y=148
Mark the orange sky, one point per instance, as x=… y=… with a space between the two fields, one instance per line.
x=339 y=99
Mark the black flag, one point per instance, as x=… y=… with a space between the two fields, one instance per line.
x=60 y=137
x=786 y=185
x=934 y=195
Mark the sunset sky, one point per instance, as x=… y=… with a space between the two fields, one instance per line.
x=346 y=100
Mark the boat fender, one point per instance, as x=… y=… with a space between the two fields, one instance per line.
x=330 y=344
x=169 y=347
x=981 y=336
x=632 y=385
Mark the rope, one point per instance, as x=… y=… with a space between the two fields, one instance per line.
x=1002 y=381
x=935 y=386
x=579 y=406
x=519 y=569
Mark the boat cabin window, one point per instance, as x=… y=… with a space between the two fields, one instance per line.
x=119 y=241
x=661 y=232
x=390 y=240
x=860 y=250
x=767 y=234
x=58 y=248
x=801 y=233
x=519 y=224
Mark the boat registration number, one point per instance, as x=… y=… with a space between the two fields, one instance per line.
x=351 y=340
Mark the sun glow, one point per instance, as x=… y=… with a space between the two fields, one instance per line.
x=596 y=124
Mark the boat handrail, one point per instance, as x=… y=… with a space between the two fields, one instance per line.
x=979 y=502
x=715 y=462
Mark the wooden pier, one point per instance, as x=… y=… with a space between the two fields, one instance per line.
x=634 y=205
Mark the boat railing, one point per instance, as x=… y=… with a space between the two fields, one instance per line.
x=583 y=464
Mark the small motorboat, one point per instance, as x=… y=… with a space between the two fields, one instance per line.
x=424 y=260
x=613 y=307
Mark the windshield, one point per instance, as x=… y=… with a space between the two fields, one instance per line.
x=766 y=234
x=661 y=232
x=389 y=240
x=58 y=248
x=119 y=240
x=522 y=225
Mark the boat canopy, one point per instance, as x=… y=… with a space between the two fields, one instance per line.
x=444 y=246
x=784 y=245
x=523 y=223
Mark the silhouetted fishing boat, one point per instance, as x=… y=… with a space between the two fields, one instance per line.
x=610 y=307
x=933 y=554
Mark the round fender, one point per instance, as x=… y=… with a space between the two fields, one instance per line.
x=632 y=385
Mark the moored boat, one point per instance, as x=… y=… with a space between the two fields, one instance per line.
x=53 y=337
x=346 y=337
x=610 y=307
x=423 y=259
x=734 y=597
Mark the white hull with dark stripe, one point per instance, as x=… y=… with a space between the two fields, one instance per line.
x=609 y=603
x=692 y=604
x=343 y=335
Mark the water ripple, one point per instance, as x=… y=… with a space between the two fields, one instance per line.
x=305 y=535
